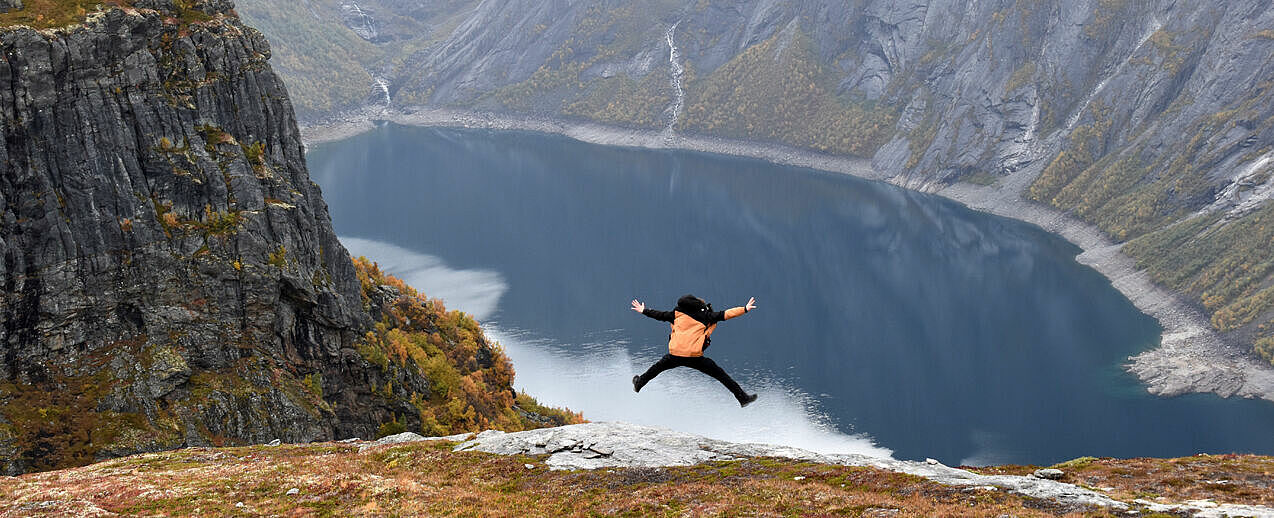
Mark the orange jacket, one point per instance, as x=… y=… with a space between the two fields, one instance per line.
x=692 y=334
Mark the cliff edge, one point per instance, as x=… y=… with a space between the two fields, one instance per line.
x=171 y=277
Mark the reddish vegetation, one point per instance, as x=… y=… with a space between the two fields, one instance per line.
x=470 y=378
x=427 y=479
x=1234 y=479
x=45 y=14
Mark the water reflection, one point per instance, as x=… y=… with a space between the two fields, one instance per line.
x=938 y=331
x=593 y=377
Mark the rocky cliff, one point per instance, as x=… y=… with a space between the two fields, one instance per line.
x=1151 y=121
x=170 y=272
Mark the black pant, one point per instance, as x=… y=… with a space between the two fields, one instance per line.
x=700 y=363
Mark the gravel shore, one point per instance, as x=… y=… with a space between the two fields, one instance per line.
x=1191 y=356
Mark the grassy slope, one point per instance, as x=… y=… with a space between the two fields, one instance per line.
x=428 y=479
x=328 y=68
x=778 y=91
x=331 y=59
x=48 y=14
x=1148 y=199
x=419 y=335
x=1240 y=479
x=775 y=90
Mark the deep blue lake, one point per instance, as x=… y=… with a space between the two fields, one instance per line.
x=887 y=320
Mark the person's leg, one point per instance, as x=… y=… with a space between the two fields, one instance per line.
x=705 y=365
x=667 y=362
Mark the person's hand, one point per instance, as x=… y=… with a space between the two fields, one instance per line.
x=751 y=304
x=638 y=307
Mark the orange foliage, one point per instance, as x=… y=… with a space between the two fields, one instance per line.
x=419 y=334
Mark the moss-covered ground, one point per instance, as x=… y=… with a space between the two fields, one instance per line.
x=50 y=14
x=428 y=479
x=1237 y=479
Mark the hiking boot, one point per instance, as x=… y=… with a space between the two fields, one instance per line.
x=747 y=400
x=637 y=383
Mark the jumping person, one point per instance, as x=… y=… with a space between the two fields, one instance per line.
x=692 y=324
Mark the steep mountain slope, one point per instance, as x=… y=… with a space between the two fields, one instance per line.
x=170 y=272
x=1150 y=120
x=341 y=53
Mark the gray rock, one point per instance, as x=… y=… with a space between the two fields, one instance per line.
x=398 y=439
x=293 y=491
x=275 y=442
x=642 y=446
x=409 y=437
x=152 y=170
x=1048 y=474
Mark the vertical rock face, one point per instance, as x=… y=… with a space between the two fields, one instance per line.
x=170 y=273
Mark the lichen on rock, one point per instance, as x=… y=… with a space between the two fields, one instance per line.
x=171 y=276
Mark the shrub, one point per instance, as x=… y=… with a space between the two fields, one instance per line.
x=418 y=336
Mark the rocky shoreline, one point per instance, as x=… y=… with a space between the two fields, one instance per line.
x=1191 y=356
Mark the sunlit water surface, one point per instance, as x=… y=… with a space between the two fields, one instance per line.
x=888 y=321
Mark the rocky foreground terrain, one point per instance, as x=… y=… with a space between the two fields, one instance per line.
x=616 y=468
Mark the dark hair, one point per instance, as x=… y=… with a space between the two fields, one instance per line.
x=690 y=304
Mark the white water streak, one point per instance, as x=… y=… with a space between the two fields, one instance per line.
x=1154 y=27
x=676 y=71
x=381 y=84
x=368 y=30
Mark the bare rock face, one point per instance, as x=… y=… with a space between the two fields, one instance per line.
x=170 y=272
x=10 y=5
x=612 y=444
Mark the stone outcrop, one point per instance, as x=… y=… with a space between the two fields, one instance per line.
x=170 y=272
x=621 y=445
x=600 y=445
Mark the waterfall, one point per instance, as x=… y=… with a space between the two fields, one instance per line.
x=359 y=21
x=676 y=70
x=381 y=84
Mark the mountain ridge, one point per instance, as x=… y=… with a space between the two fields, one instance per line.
x=1150 y=122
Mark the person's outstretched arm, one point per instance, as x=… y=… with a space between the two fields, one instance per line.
x=734 y=312
x=665 y=316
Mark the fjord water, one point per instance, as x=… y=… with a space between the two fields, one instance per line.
x=887 y=319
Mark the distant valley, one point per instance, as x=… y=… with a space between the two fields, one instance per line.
x=1150 y=121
